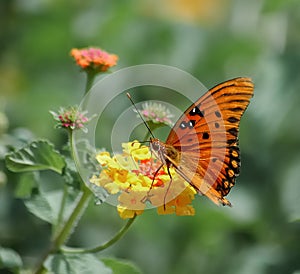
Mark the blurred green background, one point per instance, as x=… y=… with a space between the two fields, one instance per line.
x=213 y=40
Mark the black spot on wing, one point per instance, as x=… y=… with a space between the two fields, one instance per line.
x=232 y=119
x=189 y=124
x=233 y=131
x=214 y=159
x=196 y=111
x=183 y=125
x=218 y=114
x=205 y=135
x=231 y=142
x=236 y=109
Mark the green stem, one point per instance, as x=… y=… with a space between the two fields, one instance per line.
x=79 y=208
x=70 y=223
x=61 y=211
x=147 y=136
x=90 y=80
x=113 y=240
x=67 y=228
x=153 y=127
x=73 y=219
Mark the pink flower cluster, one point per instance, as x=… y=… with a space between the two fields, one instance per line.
x=153 y=116
x=156 y=113
x=67 y=121
x=70 y=118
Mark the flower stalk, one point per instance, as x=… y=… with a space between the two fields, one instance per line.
x=109 y=243
x=66 y=229
x=61 y=211
x=93 y=61
x=73 y=219
x=90 y=80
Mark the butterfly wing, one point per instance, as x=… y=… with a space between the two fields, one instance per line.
x=206 y=137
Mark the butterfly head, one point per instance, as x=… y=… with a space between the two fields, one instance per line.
x=155 y=144
x=167 y=154
x=158 y=149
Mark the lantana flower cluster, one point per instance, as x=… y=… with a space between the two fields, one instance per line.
x=157 y=114
x=135 y=176
x=70 y=118
x=94 y=59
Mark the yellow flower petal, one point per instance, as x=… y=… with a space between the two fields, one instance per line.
x=128 y=148
x=142 y=153
x=105 y=160
x=95 y=180
x=112 y=188
x=125 y=162
x=125 y=213
x=187 y=210
x=132 y=200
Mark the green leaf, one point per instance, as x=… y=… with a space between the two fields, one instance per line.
x=46 y=205
x=39 y=155
x=121 y=266
x=9 y=258
x=39 y=206
x=76 y=264
x=27 y=183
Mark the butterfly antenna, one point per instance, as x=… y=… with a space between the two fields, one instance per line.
x=147 y=126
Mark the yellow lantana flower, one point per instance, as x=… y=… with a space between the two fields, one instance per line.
x=136 y=177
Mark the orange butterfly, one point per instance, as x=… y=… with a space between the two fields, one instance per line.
x=203 y=144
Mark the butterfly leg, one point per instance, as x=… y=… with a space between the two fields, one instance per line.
x=168 y=188
x=148 y=193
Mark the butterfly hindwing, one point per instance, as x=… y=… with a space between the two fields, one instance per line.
x=206 y=137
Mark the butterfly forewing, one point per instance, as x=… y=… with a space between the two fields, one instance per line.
x=206 y=138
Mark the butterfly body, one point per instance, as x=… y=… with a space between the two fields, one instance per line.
x=203 y=144
x=167 y=154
